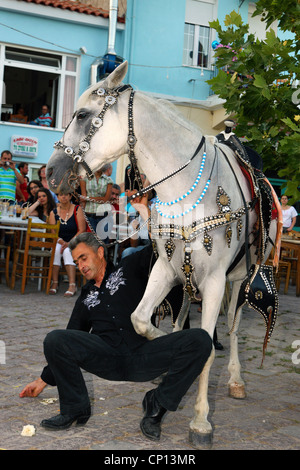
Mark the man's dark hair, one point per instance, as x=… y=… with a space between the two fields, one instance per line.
x=90 y=240
x=6 y=151
x=22 y=164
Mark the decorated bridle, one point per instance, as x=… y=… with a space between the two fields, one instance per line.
x=111 y=96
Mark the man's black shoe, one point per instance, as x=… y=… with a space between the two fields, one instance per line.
x=61 y=422
x=150 y=424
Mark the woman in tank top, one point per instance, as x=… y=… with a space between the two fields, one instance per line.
x=72 y=222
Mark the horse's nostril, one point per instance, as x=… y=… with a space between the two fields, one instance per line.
x=49 y=172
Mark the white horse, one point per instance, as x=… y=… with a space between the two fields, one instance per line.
x=165 y=141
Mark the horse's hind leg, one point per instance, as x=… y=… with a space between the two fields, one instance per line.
x=183 y=313
x=236 y=385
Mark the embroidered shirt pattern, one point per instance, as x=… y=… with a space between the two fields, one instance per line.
x=92 y=299
x=114 y=281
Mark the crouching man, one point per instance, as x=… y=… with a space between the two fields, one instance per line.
x=100 y=339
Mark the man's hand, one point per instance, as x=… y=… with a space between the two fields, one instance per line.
x=140 y=203
x=33 y=389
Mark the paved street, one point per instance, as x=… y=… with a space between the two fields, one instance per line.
x=268 y=419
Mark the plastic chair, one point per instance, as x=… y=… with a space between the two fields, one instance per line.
x=40 y=245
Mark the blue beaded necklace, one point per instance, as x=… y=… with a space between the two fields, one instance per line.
x=170 y=203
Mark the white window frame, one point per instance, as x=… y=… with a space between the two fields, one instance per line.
x=195 y=48
x=200 y=13
x=60 y=71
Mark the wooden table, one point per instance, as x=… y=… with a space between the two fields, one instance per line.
x=293 y=244
x=16 y=223
x=20 y=225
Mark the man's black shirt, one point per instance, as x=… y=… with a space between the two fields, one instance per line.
x=105 y=311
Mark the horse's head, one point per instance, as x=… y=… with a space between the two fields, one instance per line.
x=97 y=134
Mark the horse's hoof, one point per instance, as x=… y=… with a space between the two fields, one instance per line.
x=237 y=391
x=200 y=441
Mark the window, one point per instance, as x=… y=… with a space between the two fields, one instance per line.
x=196 y=45
x=197 y=33
x=33 y=78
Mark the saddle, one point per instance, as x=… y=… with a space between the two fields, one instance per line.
x=258 y=289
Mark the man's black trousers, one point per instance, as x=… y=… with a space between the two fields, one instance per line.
x=181 y=354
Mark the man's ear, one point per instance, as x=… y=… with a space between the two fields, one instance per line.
x=100 y=252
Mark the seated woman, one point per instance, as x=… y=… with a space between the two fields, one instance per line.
x=32 y=188
x=43 y=205
x=72 y=222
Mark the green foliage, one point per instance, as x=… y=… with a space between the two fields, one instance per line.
x=256 y=80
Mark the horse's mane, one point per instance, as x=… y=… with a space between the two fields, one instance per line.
x=176 y=115
x=162 y=105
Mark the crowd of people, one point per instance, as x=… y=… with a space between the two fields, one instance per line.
x=99 y=207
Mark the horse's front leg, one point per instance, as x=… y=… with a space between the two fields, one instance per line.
x=236 y=385
x=160 y=283
x=200 y=428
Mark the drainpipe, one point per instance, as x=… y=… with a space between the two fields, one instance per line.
x=103 y=66
x=113 y=15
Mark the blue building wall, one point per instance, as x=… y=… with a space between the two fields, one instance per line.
x=153 y=46
x=48 y=34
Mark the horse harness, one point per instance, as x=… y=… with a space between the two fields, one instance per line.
x=224 y=218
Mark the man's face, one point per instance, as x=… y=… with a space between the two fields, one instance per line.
x=6 y=157
x=90 y=263
x=115 y=193
x=44 y=110
x=24 y=169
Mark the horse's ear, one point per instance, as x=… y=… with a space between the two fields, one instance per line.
x=117 y=76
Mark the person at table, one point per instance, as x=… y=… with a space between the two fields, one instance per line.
x=43 y=205
x=9 y=175
x=32 y=189
x=43 y=180
x=20 y=117
x=289 y=215
x=44 y=119
x=21 y=189
x=72 y=223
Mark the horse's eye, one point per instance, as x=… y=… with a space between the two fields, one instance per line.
x=82 y=115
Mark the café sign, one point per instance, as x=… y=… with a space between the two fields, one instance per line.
x=24 y=146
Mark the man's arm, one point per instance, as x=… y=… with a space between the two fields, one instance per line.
x=18 y=175
x=34 y=388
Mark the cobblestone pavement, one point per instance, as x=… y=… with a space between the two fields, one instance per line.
x=267 y=419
